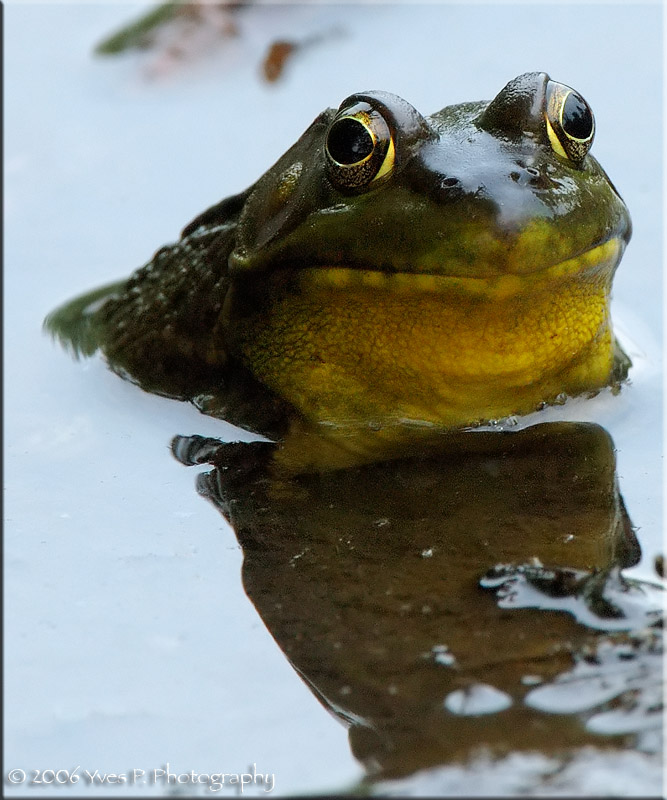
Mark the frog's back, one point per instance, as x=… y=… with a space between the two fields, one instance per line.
x=156 y=327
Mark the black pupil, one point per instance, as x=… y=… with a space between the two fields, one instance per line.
x=577 y=117
x=349 y=141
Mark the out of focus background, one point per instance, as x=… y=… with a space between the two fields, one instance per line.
x=129 y=642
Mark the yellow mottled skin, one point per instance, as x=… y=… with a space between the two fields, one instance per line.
x=351 y=346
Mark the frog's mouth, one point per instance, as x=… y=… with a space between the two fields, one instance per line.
x=597 y=262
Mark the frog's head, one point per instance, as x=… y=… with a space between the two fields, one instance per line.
x=477 y=190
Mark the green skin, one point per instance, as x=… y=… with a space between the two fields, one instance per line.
x=477 y=191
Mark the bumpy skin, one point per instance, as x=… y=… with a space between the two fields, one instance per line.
x=470 y=281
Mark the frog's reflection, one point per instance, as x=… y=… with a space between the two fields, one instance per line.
x=372 y=581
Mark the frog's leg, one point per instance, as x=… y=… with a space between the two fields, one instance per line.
x=621 y=367
x=74 y=323
x=159 y=327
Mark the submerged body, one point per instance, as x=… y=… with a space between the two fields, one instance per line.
x=391 y=272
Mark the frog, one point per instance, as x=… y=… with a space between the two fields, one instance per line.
x=391 y=274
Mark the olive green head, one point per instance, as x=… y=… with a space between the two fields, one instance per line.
x=476 y=190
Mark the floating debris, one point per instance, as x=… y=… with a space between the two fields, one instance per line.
x=178 y=33
x=276 y=59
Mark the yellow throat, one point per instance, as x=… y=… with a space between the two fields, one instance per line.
x=351 y=348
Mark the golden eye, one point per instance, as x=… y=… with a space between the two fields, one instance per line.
x=359 y=147
x=570 y=122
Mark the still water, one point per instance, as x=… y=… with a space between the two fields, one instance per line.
x=132 y=641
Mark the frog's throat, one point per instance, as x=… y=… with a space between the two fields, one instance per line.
x=348 y=347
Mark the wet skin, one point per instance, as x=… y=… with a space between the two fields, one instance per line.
x=390 y=272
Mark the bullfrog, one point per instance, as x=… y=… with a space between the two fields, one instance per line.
x=391 y=273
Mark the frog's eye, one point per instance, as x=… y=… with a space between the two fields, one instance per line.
x=570 y=122
x=359 y=148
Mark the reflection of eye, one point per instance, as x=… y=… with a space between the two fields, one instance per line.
x=359 y=147
x=570 y=122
